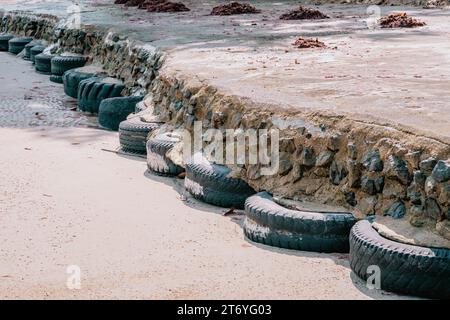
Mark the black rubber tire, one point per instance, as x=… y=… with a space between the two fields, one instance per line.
x=42 y=63
x=140 y=107
x=72 y=79
x=92 y=91
x=113 y=111
x=34 y=51
x=61 y=64
x=405 y=268
x=269 y=223
x=56 y=79
x=16 y=45
x=157 y=161
x=133 y=135
x=209 y=182
x=4 y=39
x=28 y=49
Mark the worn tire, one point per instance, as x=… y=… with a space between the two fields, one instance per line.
x=157 y=161
x=61 y=64
x=92 y=91
x=16 y=45
x=269 y=223
x=405 y=268
x=56 y=79
x=35 y=50
x=4 y=39
x=72 y=79
x=209 y=182
x=42 y=63
x=133 y=135
x=113 y=111
x=28 y=47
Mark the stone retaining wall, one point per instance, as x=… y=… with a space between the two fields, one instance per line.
x=365 y=167
x=369 y=168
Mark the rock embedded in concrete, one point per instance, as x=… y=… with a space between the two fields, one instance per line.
x=396 y=169
x=325 y=158
x=441 y=172
x=397 y=210
x=432 y=209
x=427 y=165
x=372 y=161
x=338 y=172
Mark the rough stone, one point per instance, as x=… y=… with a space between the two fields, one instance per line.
x=372 y=161
x=414 y=195
x=367 y=205
x=337 y=173
x=441 y=171
x=419 y=179
x=432 y=208
x=397 y=210
x=325 y=158
x=284 y=167
x=417 y=217
x=307 y=157
x=297 y=172
x=354 y=174
x=413 y=158
x=393 y=190
x=350 y=198
x=443 y=228
x=444 y=196
x=430 y=187
x=333 y=142
x=427 y=165
x=396 y=169
x=352 y=151
x=287 y=145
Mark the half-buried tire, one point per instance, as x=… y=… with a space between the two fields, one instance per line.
x=42 y=63
x=16 y=45
x=56 y=79
x=157 y=160
x=35 y=50
x=404 y=268
x=73 y=77
x=210 y=183
x=28 y=49
x=133 y=135
x=4 y=41
x=113 y=111
x=61 y=64
x=269 y=223
x=92 y=91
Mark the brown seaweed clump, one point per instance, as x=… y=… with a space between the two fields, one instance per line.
x=233 y=8
x=400 y=20
x=303 y=13
x=303 y=43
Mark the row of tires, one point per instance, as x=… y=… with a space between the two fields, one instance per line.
x=95 y=92
x=404 y=268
